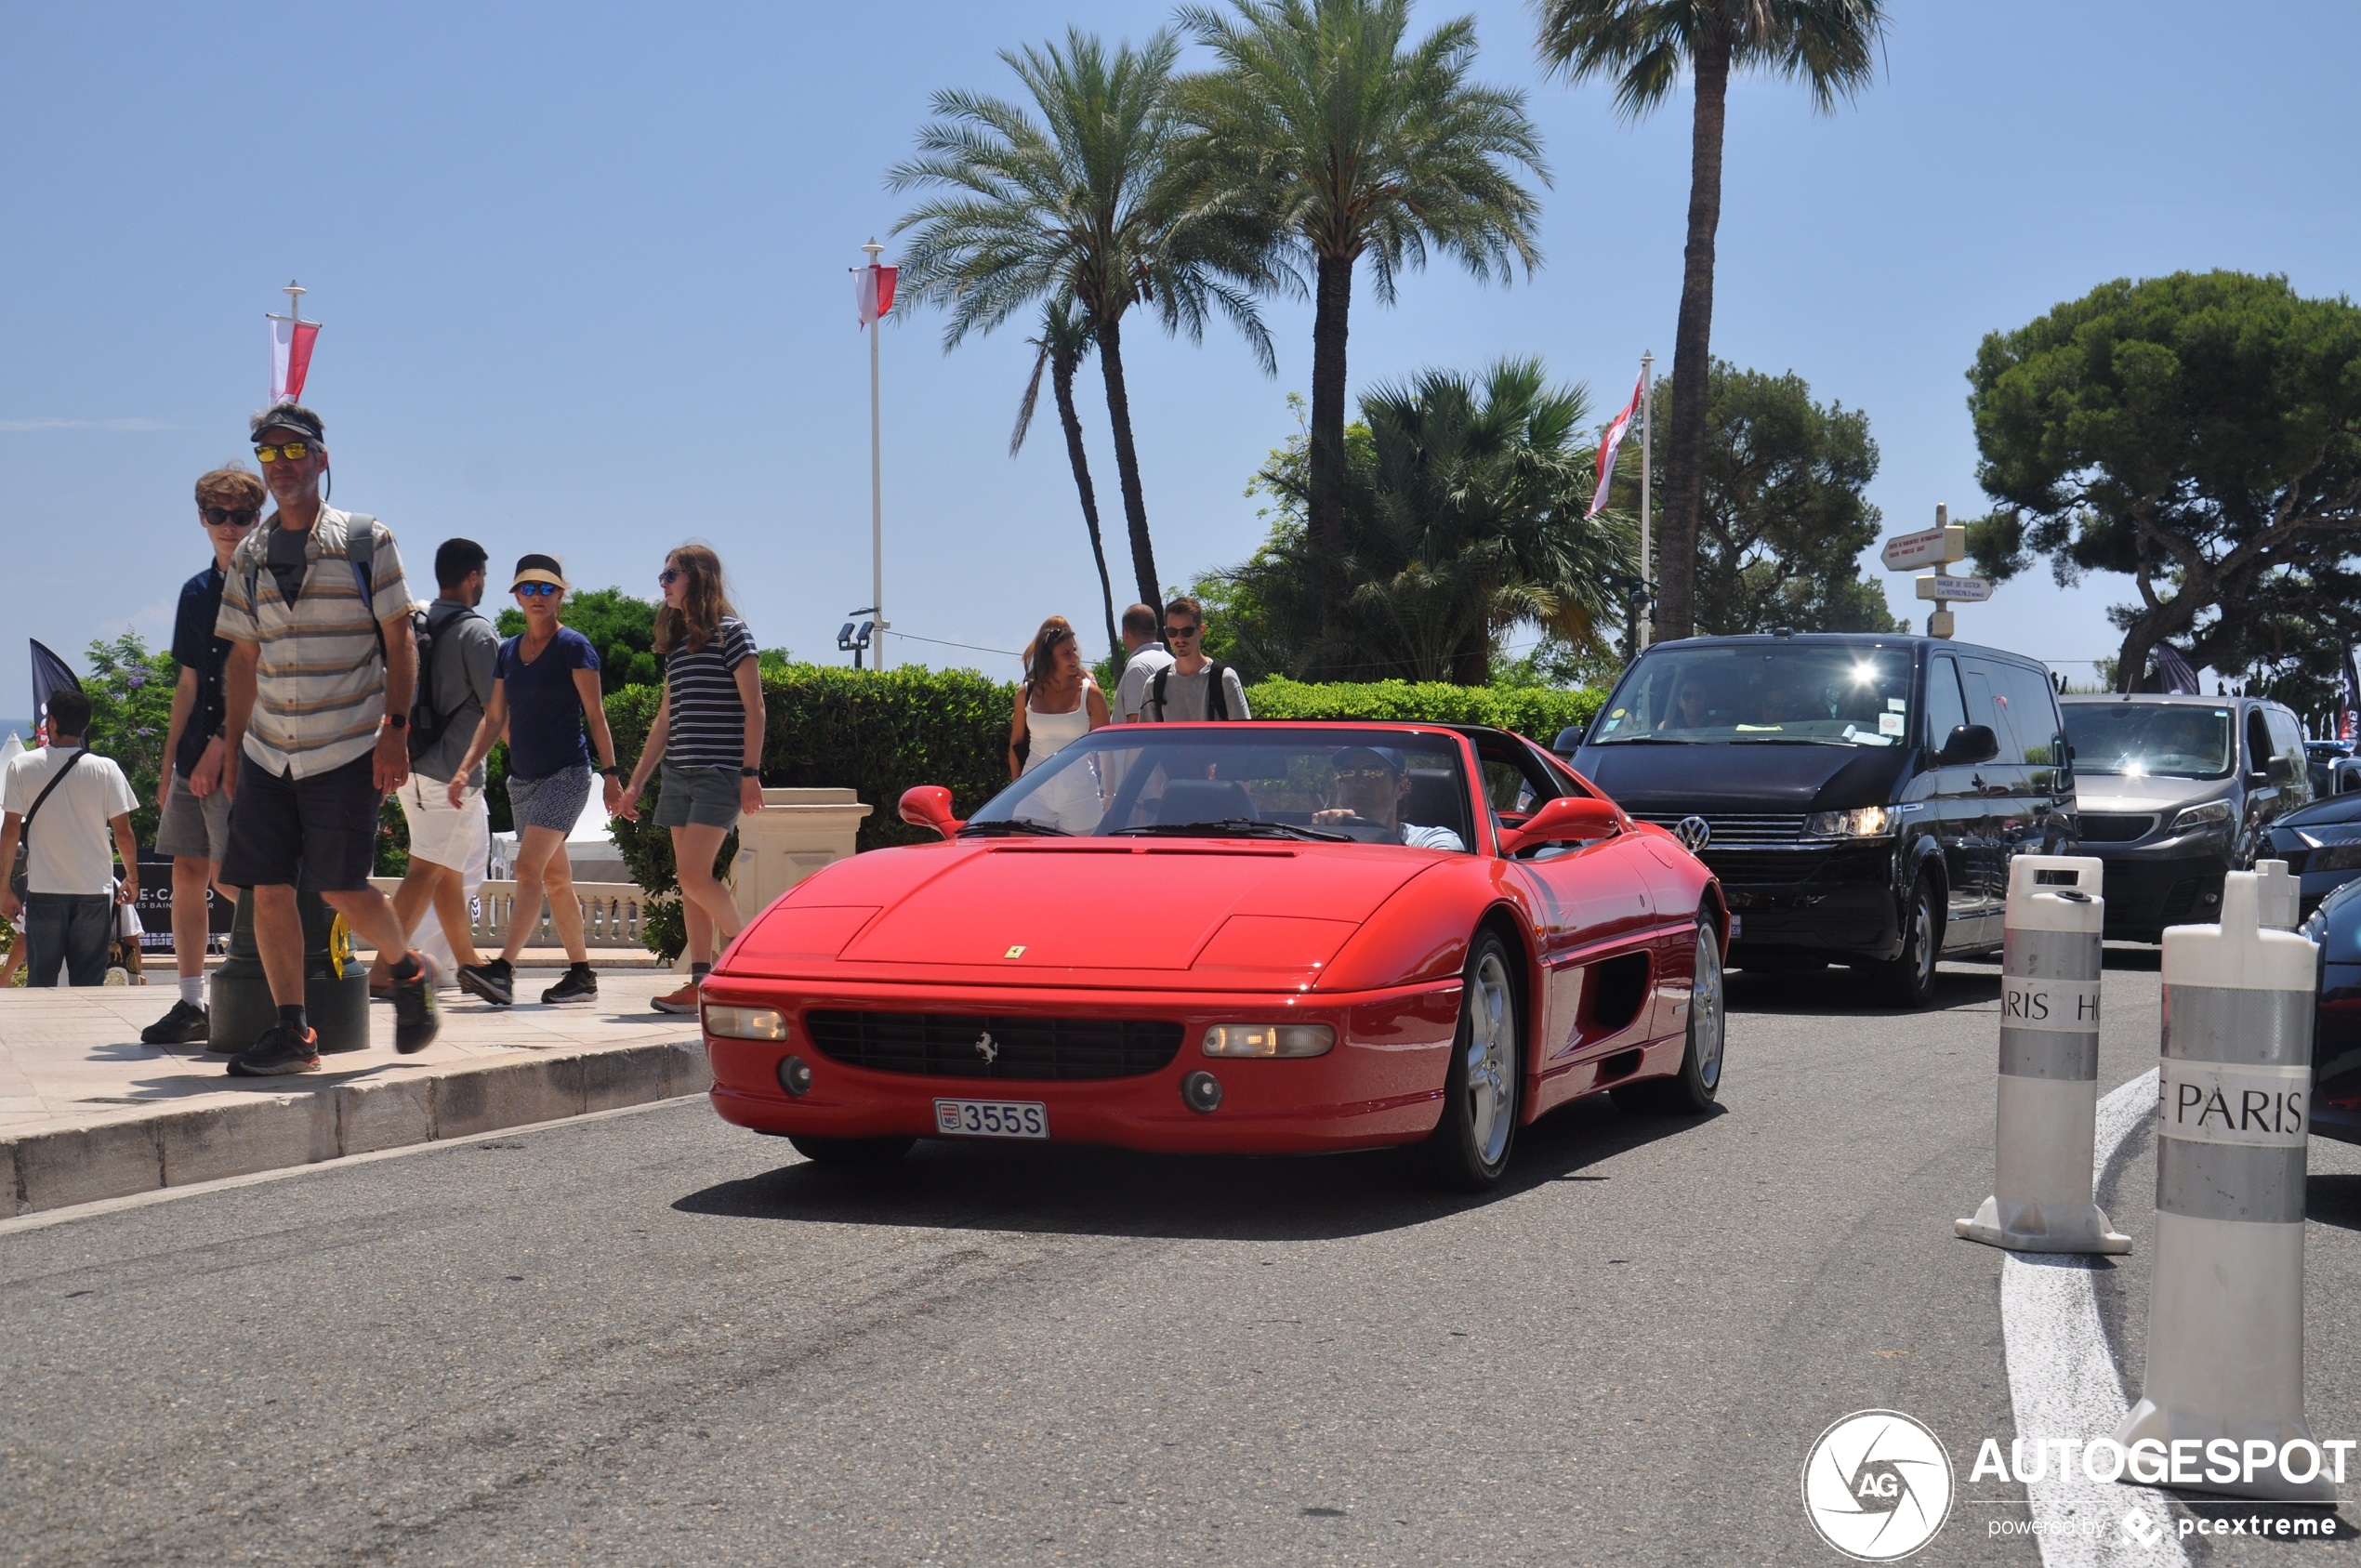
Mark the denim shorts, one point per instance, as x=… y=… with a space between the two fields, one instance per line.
x=697 y=797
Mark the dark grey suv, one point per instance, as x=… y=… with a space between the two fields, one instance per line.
x=2175 y=792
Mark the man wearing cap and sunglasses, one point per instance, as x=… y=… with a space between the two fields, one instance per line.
x=321 y=672
x=195 y=828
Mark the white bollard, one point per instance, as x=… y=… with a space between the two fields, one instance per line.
x=2226 y=1306
x=2278 y=896
x=2049 y=1087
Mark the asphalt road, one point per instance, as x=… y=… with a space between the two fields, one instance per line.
x=653 y=1338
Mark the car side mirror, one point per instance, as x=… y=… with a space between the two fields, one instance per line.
x=929 y=806
x=2281 y=770
x=1564 y=820
x=1970 y=743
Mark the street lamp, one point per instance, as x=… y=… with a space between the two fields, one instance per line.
x=856 y=635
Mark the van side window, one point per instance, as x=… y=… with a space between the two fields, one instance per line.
x=1986 y=705
x=2287 y=741
x=1946 y=712
x=2033 y=709
x=2257 y=741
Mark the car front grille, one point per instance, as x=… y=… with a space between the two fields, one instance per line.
x=2113 y=827
x=1737 y=830
x=1764 y=866
x=972 y=1046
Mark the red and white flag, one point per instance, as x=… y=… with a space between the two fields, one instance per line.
x=290 y=356
x=1607 y=448
x=873 y=291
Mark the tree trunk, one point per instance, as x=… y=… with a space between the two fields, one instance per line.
x=1691 y=351
x=1127 y=461
x=1328 y=328
x=1062 y=383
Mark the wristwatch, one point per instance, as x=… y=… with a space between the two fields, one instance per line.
x=397 y=721
x=749 y=772
x=607 y=771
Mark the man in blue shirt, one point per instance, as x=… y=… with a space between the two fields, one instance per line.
x=194 y=829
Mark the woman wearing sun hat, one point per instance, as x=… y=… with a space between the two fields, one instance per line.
x=545 y=693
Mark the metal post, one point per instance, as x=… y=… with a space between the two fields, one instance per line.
x=1648 y=475
x=877 y=477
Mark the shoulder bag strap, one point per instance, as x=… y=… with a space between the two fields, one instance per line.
x=1217 y=692
x=1156 y=691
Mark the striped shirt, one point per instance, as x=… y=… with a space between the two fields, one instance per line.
x=709 y=727
x=320 y=682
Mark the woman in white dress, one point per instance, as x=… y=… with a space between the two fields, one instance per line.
x=1058 y=705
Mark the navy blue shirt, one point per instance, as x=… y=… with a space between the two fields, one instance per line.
x=545 y=711
x=194 y=646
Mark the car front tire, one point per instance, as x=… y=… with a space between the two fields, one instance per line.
x=1908 y=979
x=1482 y=1088
x=1692 y=1091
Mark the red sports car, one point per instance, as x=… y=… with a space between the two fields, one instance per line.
x=1244 y=938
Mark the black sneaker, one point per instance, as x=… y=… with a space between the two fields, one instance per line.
x=277 y=1052
x=416 y=1017
x=580 y=985
x=185 y=1024
x=494 y=982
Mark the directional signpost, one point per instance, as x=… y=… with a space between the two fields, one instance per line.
x=1938 y=546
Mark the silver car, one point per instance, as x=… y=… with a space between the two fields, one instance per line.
x=2174 y=792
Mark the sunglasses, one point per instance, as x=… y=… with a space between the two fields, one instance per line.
x=1361 y=775
x=228 y=516
x=289 y=451
x=535 y=590
x=1180 y=631
x=669 y=576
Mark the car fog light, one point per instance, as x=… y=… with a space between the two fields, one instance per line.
x=746 y=1023
x=1201 y=1091
x=1268 y=1039
x=795 y=1075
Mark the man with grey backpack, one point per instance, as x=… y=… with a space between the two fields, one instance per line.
x=62 y=802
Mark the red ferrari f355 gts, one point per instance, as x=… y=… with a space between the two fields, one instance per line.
x=1242 y=938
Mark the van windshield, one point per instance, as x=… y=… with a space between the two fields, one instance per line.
x=1795 y=693
x=2142 y=740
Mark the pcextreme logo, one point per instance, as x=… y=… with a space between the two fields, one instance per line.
x=1877 y=1485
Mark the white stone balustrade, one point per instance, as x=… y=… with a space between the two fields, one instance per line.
x=612 y=912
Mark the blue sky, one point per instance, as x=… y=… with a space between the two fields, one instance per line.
x=583 y=272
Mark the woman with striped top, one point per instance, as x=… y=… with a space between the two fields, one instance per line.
x=707 y=736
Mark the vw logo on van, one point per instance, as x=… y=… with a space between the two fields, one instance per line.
x=1694 y=834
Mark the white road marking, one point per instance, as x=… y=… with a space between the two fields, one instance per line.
x=2063 y=1383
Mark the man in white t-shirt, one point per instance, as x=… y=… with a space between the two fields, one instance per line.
x=67 y=912
x=1143 y=655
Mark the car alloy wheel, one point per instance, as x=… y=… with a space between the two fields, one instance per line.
x=1484 y=1084
x=1708 y=1018
x=1909 y=978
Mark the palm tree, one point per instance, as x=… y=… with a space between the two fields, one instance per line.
x=1342 y=144
x=1064 y=344
x=1463 y=501
x=1829 y=46
x=1070 y=203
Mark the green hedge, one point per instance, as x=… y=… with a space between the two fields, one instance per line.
x=1536 y=712
x=878 y=735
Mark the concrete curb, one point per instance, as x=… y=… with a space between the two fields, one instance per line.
x=52 y=1170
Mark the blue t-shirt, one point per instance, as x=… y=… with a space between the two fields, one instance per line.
x=194 y=646
x=545 y=711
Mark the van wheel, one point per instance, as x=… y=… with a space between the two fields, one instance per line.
x=1908 y=979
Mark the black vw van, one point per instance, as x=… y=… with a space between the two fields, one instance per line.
x=1860 y=796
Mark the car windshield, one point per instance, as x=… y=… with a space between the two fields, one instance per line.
x=2149 y=740
x=1257 y=781
x=1796 y=693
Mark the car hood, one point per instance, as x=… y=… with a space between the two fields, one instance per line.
x=2338 y=810
x=2125 y=792
x=1028 y=913
x=1658 y=780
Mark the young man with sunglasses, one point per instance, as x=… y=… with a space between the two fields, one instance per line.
x=195 y=828
x=320 y=670
x=1193 y=688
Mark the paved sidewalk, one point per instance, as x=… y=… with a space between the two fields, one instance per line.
x=89 y=1113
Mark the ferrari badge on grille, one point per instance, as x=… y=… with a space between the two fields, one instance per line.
x=987 y=1047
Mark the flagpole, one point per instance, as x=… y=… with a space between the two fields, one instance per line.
x=1647 y=471
x=876 y=480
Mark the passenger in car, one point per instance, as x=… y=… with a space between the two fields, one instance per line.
x=1691 y=710
x=1370 y=785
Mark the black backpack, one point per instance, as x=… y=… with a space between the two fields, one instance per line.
x=1217 y=693
x=360 y=550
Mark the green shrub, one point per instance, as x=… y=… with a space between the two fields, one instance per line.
x=1535 y=712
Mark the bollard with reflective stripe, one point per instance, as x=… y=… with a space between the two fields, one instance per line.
x=2049 y=1089
x=2278 y=896
x=2225 y=1309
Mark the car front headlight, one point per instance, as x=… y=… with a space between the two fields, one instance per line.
x=1868 y=821
x=2196 y=817
x=1268 y=1039
x=746 y=1023
x=2343 y=856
